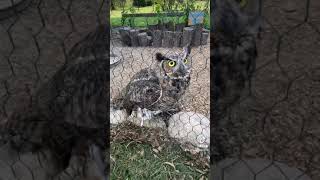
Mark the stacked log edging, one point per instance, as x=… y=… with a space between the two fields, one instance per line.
x=164 y=35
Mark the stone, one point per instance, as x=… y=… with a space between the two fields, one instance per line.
x=117 y=116
x=192 y=128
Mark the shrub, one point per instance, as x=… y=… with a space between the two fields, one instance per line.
x=142 y=3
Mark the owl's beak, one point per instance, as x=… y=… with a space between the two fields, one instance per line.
x=170 y=75
x=181 y=71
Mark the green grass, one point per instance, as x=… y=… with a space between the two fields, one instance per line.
x=143 y=21
x=135 y=161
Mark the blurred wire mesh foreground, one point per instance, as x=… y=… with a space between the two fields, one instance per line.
x=273 y=128
x=53 y=99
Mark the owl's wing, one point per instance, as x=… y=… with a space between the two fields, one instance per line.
x=143 y=91
x=93 y=46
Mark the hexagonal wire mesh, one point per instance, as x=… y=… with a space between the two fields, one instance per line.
x=39 y=75
x=277 y=120
x=280 y=119
x=156 y=83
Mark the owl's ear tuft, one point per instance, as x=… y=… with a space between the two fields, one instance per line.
x=186 y=51
x=159 y=57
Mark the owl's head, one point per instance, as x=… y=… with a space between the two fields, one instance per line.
x=176 y=66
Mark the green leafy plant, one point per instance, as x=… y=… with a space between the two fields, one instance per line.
x=118 y=4
x=158 y=9
x=131 y=20
x=142 y=3
x=166 y=5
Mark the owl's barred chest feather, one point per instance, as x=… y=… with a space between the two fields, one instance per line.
x=149 y=89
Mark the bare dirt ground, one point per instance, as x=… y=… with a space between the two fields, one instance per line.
x=197 y=98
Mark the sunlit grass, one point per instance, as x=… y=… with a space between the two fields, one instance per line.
x=139 y=161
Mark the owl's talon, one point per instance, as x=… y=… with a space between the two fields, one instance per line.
x=145 y=114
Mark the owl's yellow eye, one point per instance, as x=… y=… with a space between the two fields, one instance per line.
x=171 y=63
x=186 y=61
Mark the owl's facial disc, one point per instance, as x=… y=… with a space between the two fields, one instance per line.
x=175 y=65
x=176 y=68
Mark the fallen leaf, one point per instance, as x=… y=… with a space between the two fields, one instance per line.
x=170 y=164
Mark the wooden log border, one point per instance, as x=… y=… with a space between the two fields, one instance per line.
x=194 y=35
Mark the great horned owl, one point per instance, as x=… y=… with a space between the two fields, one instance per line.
x=68 y=113
x=156 y=91
x=235 y=28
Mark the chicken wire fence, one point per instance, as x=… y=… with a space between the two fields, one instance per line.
x=134 y=46
x=47 y=62
x=274 y=124
x=277 y=121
